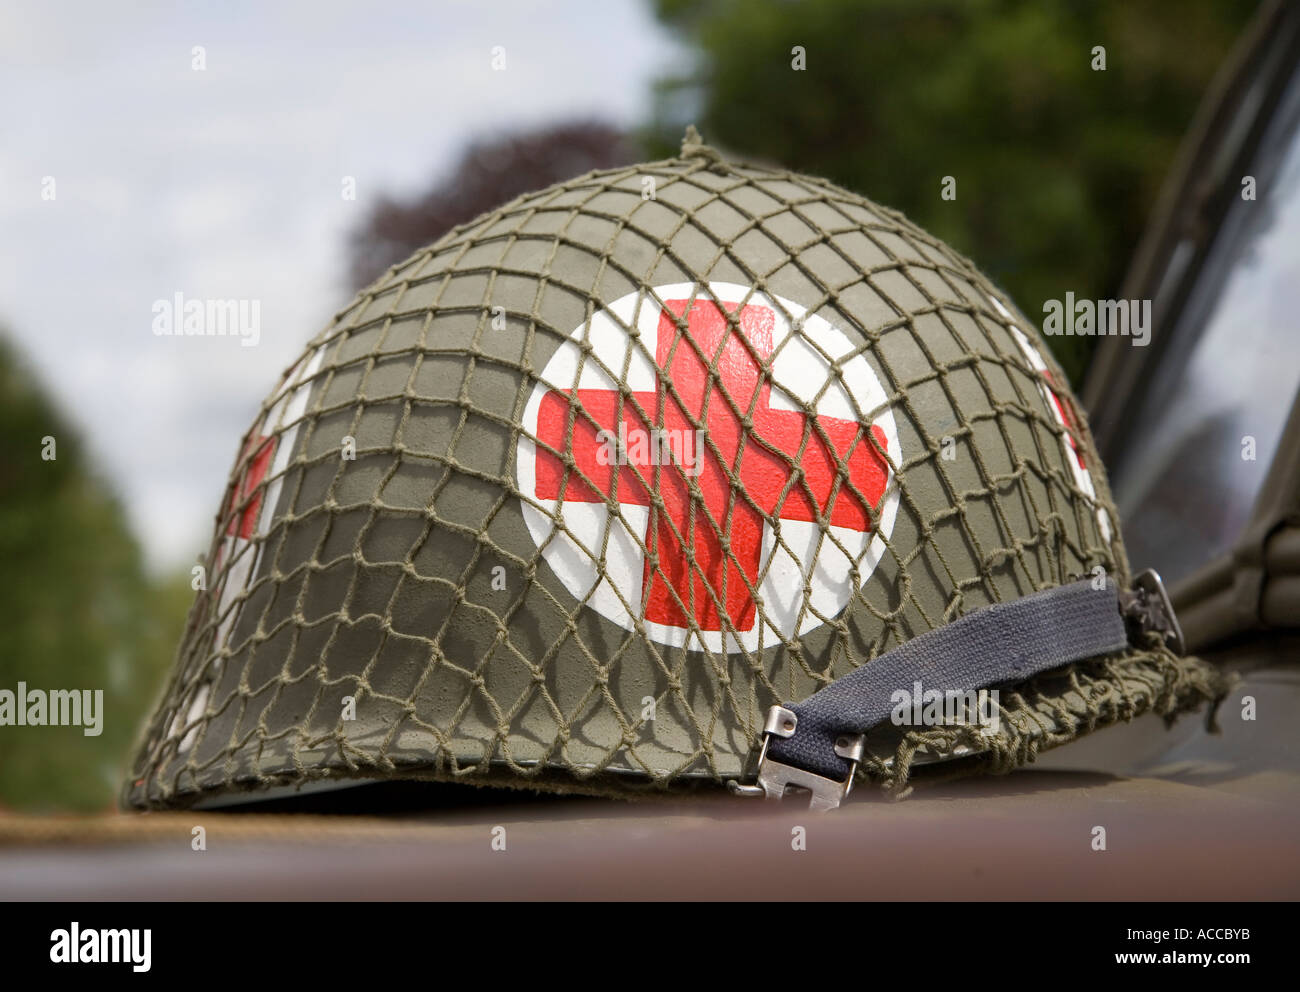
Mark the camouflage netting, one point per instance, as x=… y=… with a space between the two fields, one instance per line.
x=425 y=567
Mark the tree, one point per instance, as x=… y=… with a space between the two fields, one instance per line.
x=489 y=173
x=79 y=611
x=1057 y=163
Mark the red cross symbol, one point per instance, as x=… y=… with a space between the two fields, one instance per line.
x=722 y=526
x=1069 y=416
x=247 y=494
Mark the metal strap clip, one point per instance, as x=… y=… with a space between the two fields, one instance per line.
x=1147 y=605
x=774 y=777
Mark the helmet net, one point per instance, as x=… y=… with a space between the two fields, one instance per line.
x=378 y=604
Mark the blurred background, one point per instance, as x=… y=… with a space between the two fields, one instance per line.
x=209 y=149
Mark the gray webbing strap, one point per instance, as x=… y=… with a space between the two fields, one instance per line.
x=1006 y=642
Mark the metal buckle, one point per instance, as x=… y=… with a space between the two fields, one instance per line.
x=1147 y=604
x=774 y=777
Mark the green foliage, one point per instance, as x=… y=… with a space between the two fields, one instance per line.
x=1057 y=165
x=79 y=612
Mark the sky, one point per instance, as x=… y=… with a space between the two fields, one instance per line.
x=226 y=183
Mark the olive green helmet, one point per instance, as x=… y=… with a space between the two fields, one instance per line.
x=571 y=498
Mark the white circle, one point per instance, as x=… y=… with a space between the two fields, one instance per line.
x=571 y=533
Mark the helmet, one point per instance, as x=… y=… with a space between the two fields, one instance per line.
x=590 y=493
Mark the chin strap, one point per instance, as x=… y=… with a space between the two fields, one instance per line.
x=816 y=744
